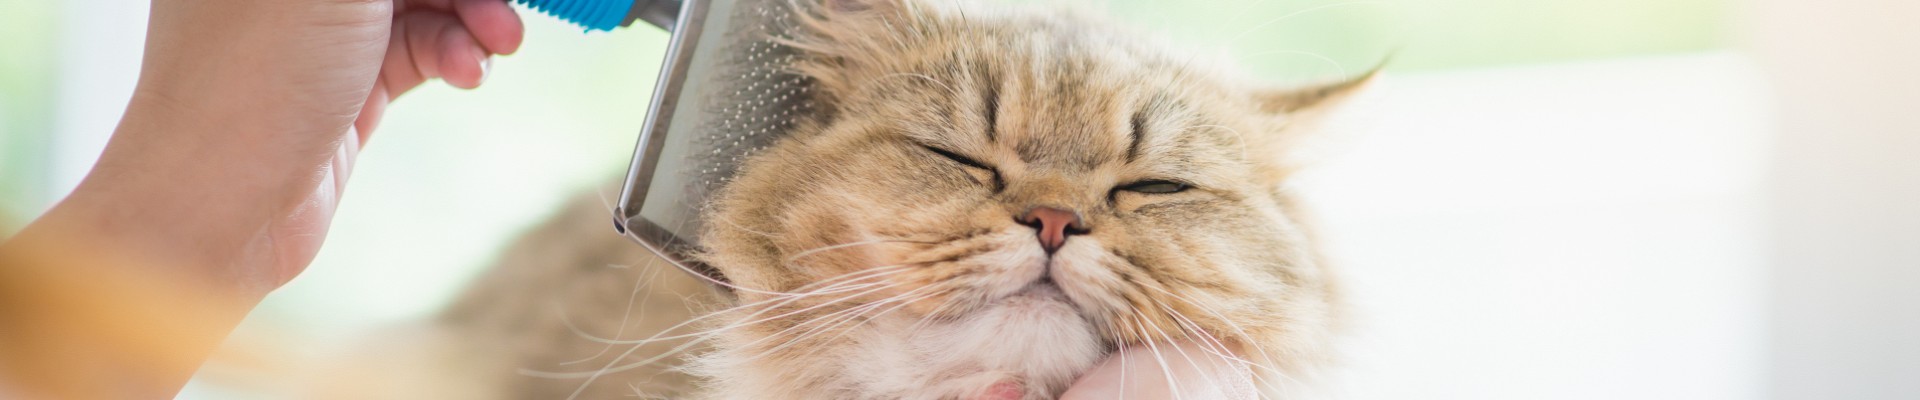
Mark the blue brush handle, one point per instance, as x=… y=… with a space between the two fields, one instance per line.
x=604 y=15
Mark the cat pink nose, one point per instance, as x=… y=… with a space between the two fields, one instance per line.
x=1054 y=226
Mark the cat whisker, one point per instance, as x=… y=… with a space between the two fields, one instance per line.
x=804 y=254
x=898 y=305
x=807 y=329
x=824 y=318
x=1173 y=385
x=1242 y=332
x=609 y=369
x=1212 y=345
x=704 y=277
x=1246 y=338
x=631 y=235
x=930 y=317
x=1189 y=329
x=1119 y=350
x=1208 y=376
x=1338 y=67
x=642 y=393
x=1218 y=348
x=869 y=287
x=1207 y=340
x=625 y=314
x=852 y=276
x=738 y=325
x=1284 y=17
x=606 y=202
x=615 y=366
x=843 y=286
x=567 y=321
x=857 y=315
x=1123 y=362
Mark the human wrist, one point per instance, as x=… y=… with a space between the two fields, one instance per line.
x=91 y=313
x=171 y=187
x=160 y=232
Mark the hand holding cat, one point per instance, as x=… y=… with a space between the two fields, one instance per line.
x=1180 y=370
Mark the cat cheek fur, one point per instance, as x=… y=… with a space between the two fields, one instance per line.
x=947 y=308
x=958 y=276
x=853 y=209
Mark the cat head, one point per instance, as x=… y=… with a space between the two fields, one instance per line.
x=963 y=156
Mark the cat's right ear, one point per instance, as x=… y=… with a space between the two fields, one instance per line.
x=1300 y=110
x=1311 y=100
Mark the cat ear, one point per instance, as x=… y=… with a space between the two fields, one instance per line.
x=1300 y=111
x=1312 y=99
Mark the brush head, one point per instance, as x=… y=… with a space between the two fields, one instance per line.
x=604 y=15
x=724 y=93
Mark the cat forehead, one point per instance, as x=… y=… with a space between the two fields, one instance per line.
x=1051 y=89
x=1038 y=52
x=1067 y=107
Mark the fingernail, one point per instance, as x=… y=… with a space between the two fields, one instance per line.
x=486 y=68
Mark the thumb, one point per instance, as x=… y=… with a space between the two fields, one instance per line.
x=1179 y=370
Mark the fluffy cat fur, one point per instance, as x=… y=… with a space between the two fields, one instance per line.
x=884 y=245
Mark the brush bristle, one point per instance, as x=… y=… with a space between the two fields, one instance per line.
x=595 y=15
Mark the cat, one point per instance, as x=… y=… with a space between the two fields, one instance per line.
x=989 y=198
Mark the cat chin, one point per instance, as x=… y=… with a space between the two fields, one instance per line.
x=1034 y=340
x=1029 y=345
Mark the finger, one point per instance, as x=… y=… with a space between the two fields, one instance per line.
x=463 y=63
x=1105 y=381
x=493 y=23
x=406 y=66
x=409 y=5
x=1178 y=370
x=371 y=113
x=344 y=158
x=431 y=45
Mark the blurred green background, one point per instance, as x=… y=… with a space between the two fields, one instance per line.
x=452 y=175
x=26 y=92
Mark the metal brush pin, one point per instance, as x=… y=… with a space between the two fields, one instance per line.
x=724 y=92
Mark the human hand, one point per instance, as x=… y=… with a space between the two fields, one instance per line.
x=220 y=181
x=1180 y=370
x=249 y=115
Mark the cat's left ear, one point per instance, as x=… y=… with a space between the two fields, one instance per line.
x=1312 y=100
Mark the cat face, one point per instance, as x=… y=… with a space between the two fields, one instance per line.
x=968 y=161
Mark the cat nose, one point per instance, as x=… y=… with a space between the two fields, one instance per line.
x=1053 y=225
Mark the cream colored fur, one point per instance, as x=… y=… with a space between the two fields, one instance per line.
x=876 y=267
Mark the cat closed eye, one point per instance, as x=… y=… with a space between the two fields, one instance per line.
x=956 y=157
x=979 y=170
x=1154 y=187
